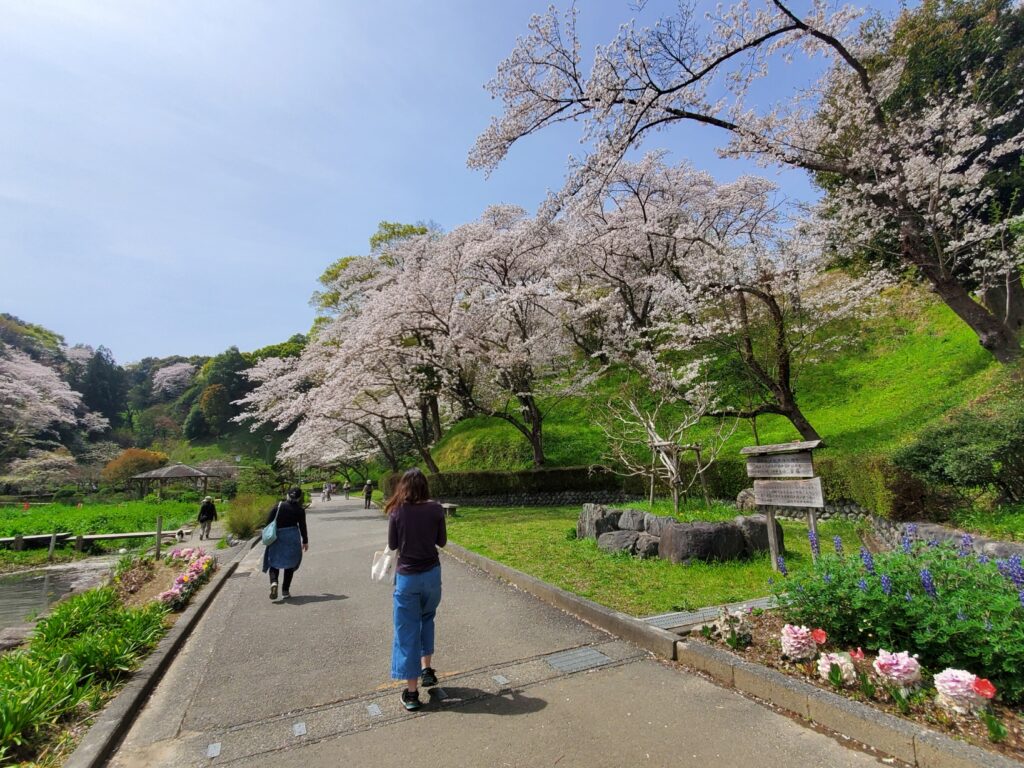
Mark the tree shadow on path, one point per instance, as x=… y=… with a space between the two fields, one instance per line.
x=477 y=701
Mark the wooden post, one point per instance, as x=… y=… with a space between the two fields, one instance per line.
x=773 y=541
x=53 y=544
x=812 y=525
x=19 y=542
x=703 y=480
x=654 y=459
x=159 y=533
x=79 y=543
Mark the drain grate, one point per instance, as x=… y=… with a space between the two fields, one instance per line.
x=577 y=660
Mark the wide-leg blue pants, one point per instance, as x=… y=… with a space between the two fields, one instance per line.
x=416 y=599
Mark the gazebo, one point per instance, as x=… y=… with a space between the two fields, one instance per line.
x=173 y=472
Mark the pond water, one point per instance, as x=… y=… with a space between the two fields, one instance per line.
x=28 y=593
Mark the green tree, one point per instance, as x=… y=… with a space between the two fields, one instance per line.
x=216 y=408
x=105 y=386
x=195 y=424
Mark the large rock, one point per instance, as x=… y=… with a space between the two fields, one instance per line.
x=631 y=520
x=653 y=524
x=1002 y=549
x=618 y=541
x=596 y=519
x=684 y=542
x=755 y=533
x=745 y=500
x=647 y=545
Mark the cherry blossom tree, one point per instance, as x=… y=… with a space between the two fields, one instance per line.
x=171 y=380
x=34 y=403
x=914 y=174
x=40 y=471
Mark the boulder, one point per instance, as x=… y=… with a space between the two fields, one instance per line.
x=631 y=520
x=618 y=541
x=745 y=500
x=647 y=545
x=596 y=519
x=1002 y=549
x=654 y=523
x=684 y=542
x=755 y=533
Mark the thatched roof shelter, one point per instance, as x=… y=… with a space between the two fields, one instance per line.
x=173 y=472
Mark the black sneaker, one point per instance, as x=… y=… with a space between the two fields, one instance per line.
x=273 y=591
x=428 y=677
x=411 y=700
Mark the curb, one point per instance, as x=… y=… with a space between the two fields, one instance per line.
x=886 y=733
x=105 y=734
x=660 y=642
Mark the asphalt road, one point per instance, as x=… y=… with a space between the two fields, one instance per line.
x=305 y=683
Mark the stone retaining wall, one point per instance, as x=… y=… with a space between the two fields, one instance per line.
x=555 y=499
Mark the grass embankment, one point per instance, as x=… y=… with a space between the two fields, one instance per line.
x=906 y=368
x=540 y=541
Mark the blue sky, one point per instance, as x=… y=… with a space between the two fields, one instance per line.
x=175 y=176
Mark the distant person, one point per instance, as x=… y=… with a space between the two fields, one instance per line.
x=347 y=488
x=367 y=494
x=285 y=554
x=325 y=494
x=207 y=514
x=416 y=528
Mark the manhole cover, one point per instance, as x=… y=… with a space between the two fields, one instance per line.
x=577 y=660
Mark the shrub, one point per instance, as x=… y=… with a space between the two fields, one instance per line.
x=247 y=513
x=978 y=448
x=948 y=606
x=132 y=461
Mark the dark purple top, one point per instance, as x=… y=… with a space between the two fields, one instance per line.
x=416 y=531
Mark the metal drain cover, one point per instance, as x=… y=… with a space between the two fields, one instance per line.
x=577 y=660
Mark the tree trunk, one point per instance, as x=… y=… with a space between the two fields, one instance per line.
x=435 y=418
x=535 y=434
x=994 y=335
x=1006 y=302
x=798 y=420
x=428 y=459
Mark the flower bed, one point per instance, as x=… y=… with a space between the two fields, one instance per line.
x=931 y=632
x=197 y=567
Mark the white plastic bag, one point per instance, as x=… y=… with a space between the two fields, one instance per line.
x=383 y=568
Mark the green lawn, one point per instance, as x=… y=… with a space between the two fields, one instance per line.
x=536 y=540
x=95 y=518
x=904 y=368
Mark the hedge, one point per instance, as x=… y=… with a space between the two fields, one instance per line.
x=871 y=481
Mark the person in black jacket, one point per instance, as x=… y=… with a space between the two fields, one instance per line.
x=285 y=554
x=207 y=514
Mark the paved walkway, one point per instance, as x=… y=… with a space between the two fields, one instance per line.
x=305 y=683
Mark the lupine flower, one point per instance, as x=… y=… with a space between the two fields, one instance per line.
x=1012 y=570
x=900 y=668
x=867 y=559
x=827 y=578
x=838 y=544
x=798 y=643
x=966 y=545
x=782 y=565
x=812 y=537
x=933 y=543
x=906 y=542
x=928 y=583
x=863 y=585
x=841 y=660
x=961 y=691
x=911 y=529
x=886 y=585
x=1021 y=596
x=982 y=559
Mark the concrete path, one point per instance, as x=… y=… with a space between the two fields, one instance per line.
x=305 y=683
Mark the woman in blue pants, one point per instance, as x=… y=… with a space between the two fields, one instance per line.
x=416 y=529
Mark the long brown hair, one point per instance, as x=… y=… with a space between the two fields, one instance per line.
x=411 y=489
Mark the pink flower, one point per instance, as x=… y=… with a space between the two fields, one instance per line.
x=899 y=668
x=798 y=643
x=841 y=660
x=857 y=655
x=956 y=691
x=819 y=636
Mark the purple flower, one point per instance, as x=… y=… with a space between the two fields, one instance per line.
x=863 y=585
x=928 y=583
x=906 y=542
x=827 y=578
x=782 y=565
x=1021 y=596
x=982 y=559
x=771 y=581
x=966 y=545
x=933 y=543
x=812 y=537
x=1012 y=570
x=886 y=585
x=911 y=530
x=867 y=559
x=838 y=543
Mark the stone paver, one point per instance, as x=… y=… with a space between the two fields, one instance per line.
x=306 y=683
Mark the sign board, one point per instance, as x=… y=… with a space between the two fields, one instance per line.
x=762 y=450
x=789 y=493
x=781 y=465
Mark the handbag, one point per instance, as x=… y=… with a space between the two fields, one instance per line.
x=383 y=568
x=269 y=534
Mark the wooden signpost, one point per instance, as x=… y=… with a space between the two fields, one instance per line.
x=784 y=477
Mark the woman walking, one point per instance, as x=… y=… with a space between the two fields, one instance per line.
x=285 y=554
x=416 y=529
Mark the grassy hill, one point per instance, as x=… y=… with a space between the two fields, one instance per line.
x=912 y=363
